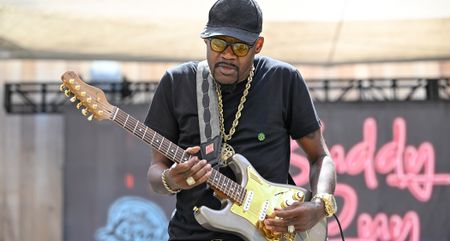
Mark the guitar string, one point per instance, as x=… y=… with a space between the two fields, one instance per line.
x=121 y=117
x=164 y=143
x=229 y=187
x=167 y=145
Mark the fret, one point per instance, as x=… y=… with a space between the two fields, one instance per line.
x=221 y=182
x=216 y=178
x=170 y=150
x=239 y=194
x=137 y=122
x=184 y=158
x=115 y=113
x=160 y=144
x=235 y=191
x=126 y=120
x=227 y=184
x=143 y=136
x=118 y=120
x=130 y=124
x=232 y=189
x=139 y=130
x=176 y=153
x=153 y=137
x=224 y=185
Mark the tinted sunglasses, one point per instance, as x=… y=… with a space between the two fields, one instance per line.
x=239 y=49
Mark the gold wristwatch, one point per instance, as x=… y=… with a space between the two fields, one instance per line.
x=329 y=202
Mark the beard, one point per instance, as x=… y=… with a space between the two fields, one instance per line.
x=230 y=87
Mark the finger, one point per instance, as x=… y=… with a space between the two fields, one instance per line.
x=276 y=225
x=203 y=170
x=197 y=167
x=200 y=173
x=205 y=177
x=291 y=211
x=193 y=150
x=275 y=222
x=183 y=168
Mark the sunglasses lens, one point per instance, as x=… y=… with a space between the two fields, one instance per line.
x=218 y=45
x=240 y=49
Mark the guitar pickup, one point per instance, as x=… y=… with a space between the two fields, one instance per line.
x=262 y=214
x=248 y=201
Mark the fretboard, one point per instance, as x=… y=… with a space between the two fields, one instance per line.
x=217 y=180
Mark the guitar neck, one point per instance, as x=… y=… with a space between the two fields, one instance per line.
x=217 y=180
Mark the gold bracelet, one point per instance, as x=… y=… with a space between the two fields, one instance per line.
x=166 y=186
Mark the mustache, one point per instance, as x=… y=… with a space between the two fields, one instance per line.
x=218 y=64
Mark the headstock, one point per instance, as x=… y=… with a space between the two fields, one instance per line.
x=92 y=100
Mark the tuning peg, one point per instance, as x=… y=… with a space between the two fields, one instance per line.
x=90 y=117
x=67 y=93
x=73 y=99
x=62 y=87
x=94 y=106
x=71 y=81
x=77 y=87
x=83 y=93
x=89 y=100
x=100 y=112
x=79 y=105
x=84 y=112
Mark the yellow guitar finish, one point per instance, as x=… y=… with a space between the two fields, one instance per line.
x=262 y=192
x=265 y=198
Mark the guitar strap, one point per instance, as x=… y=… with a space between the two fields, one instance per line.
x=208 y=115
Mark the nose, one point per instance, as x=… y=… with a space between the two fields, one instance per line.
x=228 y=53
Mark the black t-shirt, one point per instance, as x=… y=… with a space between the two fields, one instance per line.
x=278 y=108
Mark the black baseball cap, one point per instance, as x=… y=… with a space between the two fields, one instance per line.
x=241 y=19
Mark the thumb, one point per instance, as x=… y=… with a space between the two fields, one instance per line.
x=193 y=150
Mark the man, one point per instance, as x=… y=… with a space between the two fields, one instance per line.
x=262 y=102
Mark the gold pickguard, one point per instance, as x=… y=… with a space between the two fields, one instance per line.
x=264 y=194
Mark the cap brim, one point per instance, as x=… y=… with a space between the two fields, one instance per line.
x=243 y=35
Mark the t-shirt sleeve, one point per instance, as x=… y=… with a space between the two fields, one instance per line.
x=302 y=117
x=160 y=116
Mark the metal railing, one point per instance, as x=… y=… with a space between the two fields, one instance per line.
x=29 y=98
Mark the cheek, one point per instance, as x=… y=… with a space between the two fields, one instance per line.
x=245 y=67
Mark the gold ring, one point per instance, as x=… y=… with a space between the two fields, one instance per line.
x=291 y=228
x=190 y=181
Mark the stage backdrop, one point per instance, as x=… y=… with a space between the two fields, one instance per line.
x=392 y=161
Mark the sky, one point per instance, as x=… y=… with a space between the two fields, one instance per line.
x=274 y=10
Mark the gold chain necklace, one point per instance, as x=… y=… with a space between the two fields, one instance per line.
x=227 y=150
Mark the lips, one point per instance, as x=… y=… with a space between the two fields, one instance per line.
x=226 y=69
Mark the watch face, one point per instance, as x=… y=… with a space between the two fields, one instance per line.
x=330 y=204
x=333 y=203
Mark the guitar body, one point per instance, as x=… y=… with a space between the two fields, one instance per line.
x=261 y=199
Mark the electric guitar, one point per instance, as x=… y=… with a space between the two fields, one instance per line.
x=246 y=202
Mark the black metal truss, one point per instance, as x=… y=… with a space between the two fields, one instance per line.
x=403 y=89
x=32 y=98
x=29 y=98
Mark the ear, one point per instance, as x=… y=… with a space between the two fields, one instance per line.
x=259 y=44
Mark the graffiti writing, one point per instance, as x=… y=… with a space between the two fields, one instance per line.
x=404 y=166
